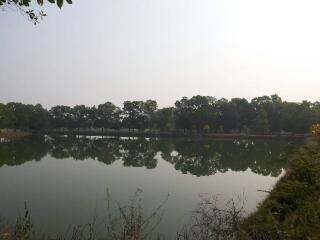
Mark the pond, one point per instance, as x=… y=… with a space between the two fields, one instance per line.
x=64 y=180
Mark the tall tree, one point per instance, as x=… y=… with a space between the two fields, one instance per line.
x=81 y=116
x=61 y=117
x=183 y=114
x=260 y=123
x=227 y=116
x=150 y=107
x=133 y=115
x=107 y=116
x=4 y=116
x=164 y=119
x=39 y=119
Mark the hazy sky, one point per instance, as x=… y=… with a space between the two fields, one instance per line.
x=115 y=50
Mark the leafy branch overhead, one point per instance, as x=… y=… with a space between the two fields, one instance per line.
x=23 y=7
x=26 y=3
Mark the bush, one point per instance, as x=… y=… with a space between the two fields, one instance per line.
x=315 y=130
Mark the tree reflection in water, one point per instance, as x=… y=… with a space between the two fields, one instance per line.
x=197 y=157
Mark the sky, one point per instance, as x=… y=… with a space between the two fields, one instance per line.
x=95 y=51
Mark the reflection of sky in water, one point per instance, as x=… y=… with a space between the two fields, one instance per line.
x=65 y=191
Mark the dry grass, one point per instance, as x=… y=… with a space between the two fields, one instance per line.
x=8 y=133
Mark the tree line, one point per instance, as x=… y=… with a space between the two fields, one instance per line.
x=266 y=114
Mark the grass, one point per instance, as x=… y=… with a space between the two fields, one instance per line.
x=8 y=133
x=292 y=209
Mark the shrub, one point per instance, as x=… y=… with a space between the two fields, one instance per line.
x=315 y=130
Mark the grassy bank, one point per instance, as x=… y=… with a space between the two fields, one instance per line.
x=13 y=133
x=292 y=209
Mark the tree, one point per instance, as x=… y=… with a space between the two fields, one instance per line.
x=183 y=114
x=203 y=115
x=20 y=115
x=4 y=116
x=260 y=123
x=133 y=115
x=244 y=113
x=107 y=116
x=298 y=117
x=227 y=116
x=273 y=107
x=39 y=119
x=150 y=107
x=138 y=114
x=61 y=117
x=81 y=116
x=164 y=119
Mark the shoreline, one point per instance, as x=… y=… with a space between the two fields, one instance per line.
x=292 y=208
x=14 y=134
x=122 y=133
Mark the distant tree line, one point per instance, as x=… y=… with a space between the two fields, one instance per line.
x=266 y=114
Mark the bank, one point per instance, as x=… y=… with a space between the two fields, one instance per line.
x=292 y=209
x=10 y=133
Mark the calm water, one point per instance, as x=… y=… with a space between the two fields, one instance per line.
x=64 y=179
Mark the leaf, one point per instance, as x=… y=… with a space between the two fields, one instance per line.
x=51 y=1
x=40 y=2
x=69 y=1
x=25 y=3
x=59 y=3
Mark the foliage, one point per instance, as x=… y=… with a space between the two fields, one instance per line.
x=24 y=7
x=292 y=210
x=138 y=114
x=26 y=117
x=107 y=115
x=23 y=229
x=315 y=130
x=200 y=114
x=164 y=119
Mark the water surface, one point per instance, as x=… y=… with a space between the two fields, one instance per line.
x=64 y=179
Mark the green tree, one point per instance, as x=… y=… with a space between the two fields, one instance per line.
x=39 y=119
x=4 y=116
x=244 y=113
x=260 y=123
x=138 y=114
x=133 y=115
x=20 y=115
x=164 y=119
x=227 y=115
x=150 y=107
x=107 y=116
x=61 y=117
x=183 y=113
x=203 y=111
x=81 y=116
